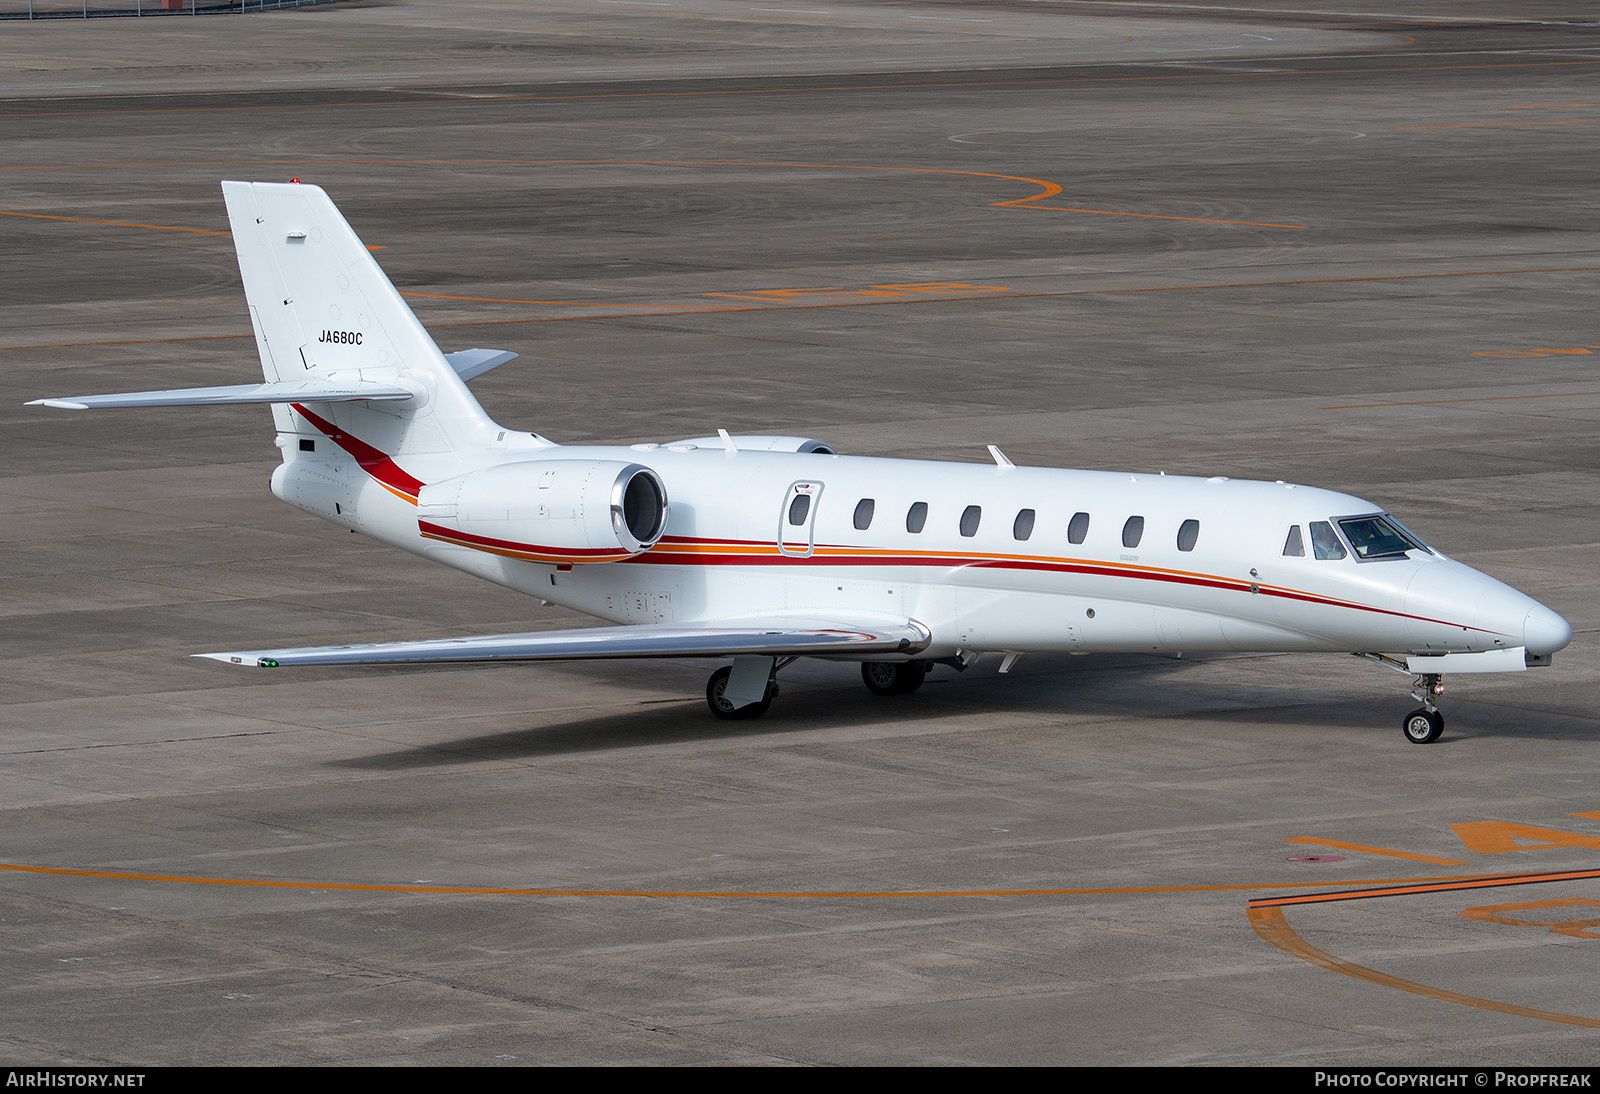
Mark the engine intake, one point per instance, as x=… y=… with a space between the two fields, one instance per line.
x=563 y=511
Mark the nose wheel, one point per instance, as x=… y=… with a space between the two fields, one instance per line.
x=1424 y=725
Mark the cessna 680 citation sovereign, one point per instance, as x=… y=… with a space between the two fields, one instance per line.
x=765 y=549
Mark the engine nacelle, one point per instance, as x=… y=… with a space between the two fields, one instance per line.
x=750 y=442
x=562 y=511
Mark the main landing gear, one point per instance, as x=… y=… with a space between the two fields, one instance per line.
x=1424 y=725
x=894 y=677
x=722 y=706
x=881 y=678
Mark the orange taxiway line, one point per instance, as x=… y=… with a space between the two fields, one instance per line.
x=1497 y=125
x=1155 y=216
x=1273 y=927
x=845 y=894
x=1317 y=841
x=118 y=223
x=1429 y=885
x=965 y=297
x=699 y=309
x=1479 y=399
x=802 y=90
x=1047 y=189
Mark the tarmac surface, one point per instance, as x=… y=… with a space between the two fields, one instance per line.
x=1352 y=244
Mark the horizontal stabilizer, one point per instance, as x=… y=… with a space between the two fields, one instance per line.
x=469 y=363
x=301 y=392
x=602 y=642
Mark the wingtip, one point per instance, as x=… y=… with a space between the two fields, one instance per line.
x=249 y=659
x=64 y=404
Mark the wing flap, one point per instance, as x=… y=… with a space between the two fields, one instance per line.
x=598 y=643
x=298 y=392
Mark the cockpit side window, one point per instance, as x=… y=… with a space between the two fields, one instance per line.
x=1325 y=541
x=1294 y=546
x=1376 y=537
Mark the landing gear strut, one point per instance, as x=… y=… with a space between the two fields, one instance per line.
x=722 y=706
x=894 y=677
x=1424 y=725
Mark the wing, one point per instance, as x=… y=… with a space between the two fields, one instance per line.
x=606 y=642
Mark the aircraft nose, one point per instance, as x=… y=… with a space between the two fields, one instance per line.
x=1544 y=631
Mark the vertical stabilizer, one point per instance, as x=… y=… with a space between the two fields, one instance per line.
x=323 y=310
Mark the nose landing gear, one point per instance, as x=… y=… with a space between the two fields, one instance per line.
x=1424 y=725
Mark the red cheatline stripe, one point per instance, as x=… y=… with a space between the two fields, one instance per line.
x=467 y=539
x=671 y=558
x=374 y=462
x=1492 y=881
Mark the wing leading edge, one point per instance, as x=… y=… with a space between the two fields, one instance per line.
x=597 y=643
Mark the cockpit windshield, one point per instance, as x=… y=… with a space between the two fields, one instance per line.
x=1378 y=536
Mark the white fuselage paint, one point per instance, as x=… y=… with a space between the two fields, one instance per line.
x=729 y=554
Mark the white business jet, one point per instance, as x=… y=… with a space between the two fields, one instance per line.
x=766 y=549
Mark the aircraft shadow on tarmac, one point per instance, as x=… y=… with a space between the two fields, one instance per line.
x=1162 y=694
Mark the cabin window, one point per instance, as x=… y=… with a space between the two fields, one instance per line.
x=1022 y=527
x=1078 y=528
x=916 y=516
x=1294 y=546
x=1325 y=542
x=863 y=518
x=970 y=516
x=1188 y=532
x=799 y=508
x=1133 y=532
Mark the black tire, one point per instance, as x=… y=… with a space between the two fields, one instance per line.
x=893 y=677
x=1422 y=726
x=718 y=684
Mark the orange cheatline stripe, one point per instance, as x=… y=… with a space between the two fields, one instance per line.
x=1498 y=125
x=118 y=223
x=1478 y=399
x=117 y=875
x=1273 y=927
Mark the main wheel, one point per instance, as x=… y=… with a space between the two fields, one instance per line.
x=1422 y=726
x=722 y=708
x=893 y=677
